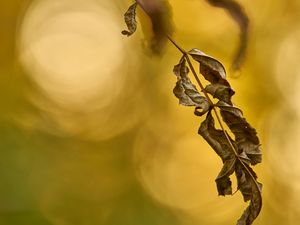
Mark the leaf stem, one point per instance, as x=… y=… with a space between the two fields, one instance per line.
x=176 y=45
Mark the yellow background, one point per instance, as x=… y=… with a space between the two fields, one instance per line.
x=91 y=133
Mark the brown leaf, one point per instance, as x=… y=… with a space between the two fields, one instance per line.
x=245 y=135
x=246 y=177
x=214 y=72
x=215 y=138
x=237 y=12
x=210 y=68
x=223 y=181
x=186 y=92
x=221 y=92
x=159 y=12
x=218 y=141
x=244 y=182
x=251 y=190
x=130 y=20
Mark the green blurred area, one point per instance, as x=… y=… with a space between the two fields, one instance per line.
x=114 y=147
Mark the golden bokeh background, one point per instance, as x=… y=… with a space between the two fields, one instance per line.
x=92 y=134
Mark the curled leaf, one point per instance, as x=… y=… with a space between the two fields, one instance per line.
x=186 y=92
x=251 y=190
x=223 y=181
x=236 y=11
x=215 y=73
x=160 y=15
x=246 y=177
x=221 y=92
x=244 y=181
x=130 y=20
x=218 y=141
x=245 y=135
x=215 y=138
x=210 y=68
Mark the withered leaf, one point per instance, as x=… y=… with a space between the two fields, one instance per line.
x=243 y=157
x=237 y=12
x=246 y=177
x=218 y=141
x=215 y=138
x=186 y=92
x=215 y=73
x=223 y=181
x=252 y=211
x=161 y=19
x=130 y=20
x=251 y=190
x=244 y=181
x=210 y=68
x=245 y=135
x=221 y=92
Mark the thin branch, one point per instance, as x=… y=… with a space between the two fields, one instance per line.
x=176 y=45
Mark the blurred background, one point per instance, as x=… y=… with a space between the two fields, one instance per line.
x=90 y=132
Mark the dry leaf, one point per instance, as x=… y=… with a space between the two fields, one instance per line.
x=251 y=190
x=223 y=181
x=210 y=68
x=245 y=135
x=186 y=92
x=159 y=12
x=221 y=92
x=218 y=141
x=237 y=12
x=130 y=20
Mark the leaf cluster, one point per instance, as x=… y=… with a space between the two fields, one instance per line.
x=238 y=153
